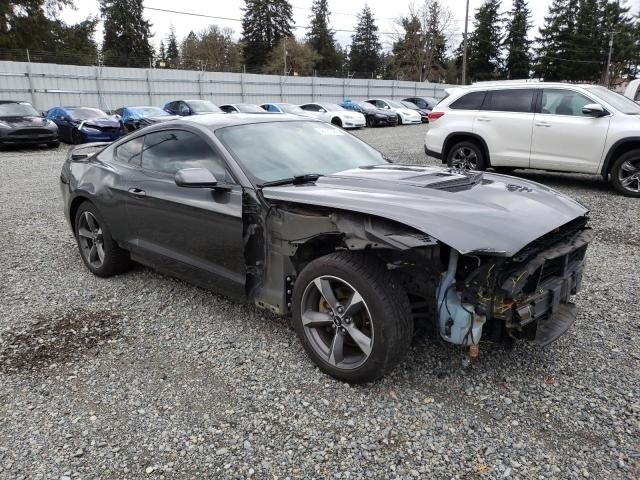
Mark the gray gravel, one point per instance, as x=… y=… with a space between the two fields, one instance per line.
x=144 y=376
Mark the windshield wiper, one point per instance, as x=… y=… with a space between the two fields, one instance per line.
x=297 y=180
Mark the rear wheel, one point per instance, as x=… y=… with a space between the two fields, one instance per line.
x=100 y=253
x=625 y=174
x=352 y=318
x=466 y=156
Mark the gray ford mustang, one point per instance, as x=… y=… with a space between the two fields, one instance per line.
x=303 y=219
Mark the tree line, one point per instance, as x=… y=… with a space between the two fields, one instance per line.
x=572 y=45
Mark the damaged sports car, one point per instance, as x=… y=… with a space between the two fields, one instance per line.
x=305 y=220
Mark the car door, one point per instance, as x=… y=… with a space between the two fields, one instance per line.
x=192 y=233
x=505 y=122
x=564 y=138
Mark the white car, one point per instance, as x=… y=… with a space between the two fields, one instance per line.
x=289 y=108
x=335 y=114
x=547 y=126
x=405 y=115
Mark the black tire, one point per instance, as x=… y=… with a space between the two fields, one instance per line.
x=385 y=301
x=76 y=137
x=399 y=120
x=475 y=154
x=370 y=122
x=54 y=144
x=337 y=122
x=116 y=260
x=620 y=171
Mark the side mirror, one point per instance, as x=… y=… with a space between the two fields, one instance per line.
x=594 y=110
x=386 y=107
x=195 y=178
x=322 y=110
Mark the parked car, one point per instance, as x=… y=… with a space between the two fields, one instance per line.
x=374 y=116
x=335 y=114
x=85 y=124
x=286 y=108
x=423 y=112
x=241 y=108
x=20 y=123
x=425 y=103
x=547 y=126
x=632 y=91
x=134 y=118
x=405 y=115
x=185 y=108
x=301 y=218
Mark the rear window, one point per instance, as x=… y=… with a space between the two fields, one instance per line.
x=512 y=100
x=470 y=101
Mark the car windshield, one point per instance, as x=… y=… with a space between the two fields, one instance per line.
x=86 y=113
x=282 y=150
x=246 y=108
x=394 y=104
x=410 y=105
x=366 y=106
x=616 y=100
x=288 y=108
x=147 y=112
x=203 y=106
x=17 y=110
x=332 y=107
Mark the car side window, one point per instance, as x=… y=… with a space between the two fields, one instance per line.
x=273 y=109
x=184 y=108
x=130 y=152
x=518 y=100
x=470 y=101
x=310 y=108
x=171 y=150
x=563 y=102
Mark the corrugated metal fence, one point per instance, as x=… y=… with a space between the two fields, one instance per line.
x=46 y=85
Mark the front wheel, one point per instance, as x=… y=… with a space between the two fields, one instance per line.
x=352 y=317
x=370 y=122
x=466 y=156
x=337 y=122
x=100 y=253
x=76 y=137
x=625 y=174
x=54 y=144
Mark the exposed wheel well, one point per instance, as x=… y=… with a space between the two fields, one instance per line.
x=615 y=152
x=465 y=137
x=75 y=204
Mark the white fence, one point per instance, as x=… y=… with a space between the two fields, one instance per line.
x=46 y=85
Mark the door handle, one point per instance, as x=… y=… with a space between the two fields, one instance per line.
x=543 y=124
x=484 y=119
x=136 y=192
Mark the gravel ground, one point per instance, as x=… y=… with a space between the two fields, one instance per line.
x=144 y=376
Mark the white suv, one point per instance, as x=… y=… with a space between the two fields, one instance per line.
x=547 y=126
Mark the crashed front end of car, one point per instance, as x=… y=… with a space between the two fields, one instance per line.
x=527 y=296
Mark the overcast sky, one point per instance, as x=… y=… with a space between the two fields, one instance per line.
x=343 y=15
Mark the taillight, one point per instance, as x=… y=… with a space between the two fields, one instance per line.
x=435 y=116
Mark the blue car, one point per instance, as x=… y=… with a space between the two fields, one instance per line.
x=134 y=118
x=84 y=124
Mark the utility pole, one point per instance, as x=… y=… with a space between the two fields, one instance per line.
x=284 y=52
x=464 y=48
x=608 y=72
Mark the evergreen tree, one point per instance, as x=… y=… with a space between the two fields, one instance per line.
x=126 y=33
x=161 y=60
x=301 y=58
x=556 y=54
x=435 y=19
x=265 y=23
x=321 y=39
x=364 y=55
x=189 y=52
x=485 y=42
x=173 y=53
x=517 y=43
x=408 y=52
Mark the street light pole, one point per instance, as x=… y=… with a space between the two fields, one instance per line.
x=464 y=48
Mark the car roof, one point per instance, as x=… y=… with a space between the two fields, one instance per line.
x=214 y=121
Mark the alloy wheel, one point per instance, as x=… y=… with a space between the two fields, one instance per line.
x=629 y=175
x=464 y=158
x=91 y=240
x=337 y=322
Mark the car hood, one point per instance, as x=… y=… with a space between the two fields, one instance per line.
x=469 y=211
x=408 y=111
x=162 y=118
x=25 y=122
x=101 y=122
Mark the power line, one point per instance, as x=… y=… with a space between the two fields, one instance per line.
x=202 y=15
